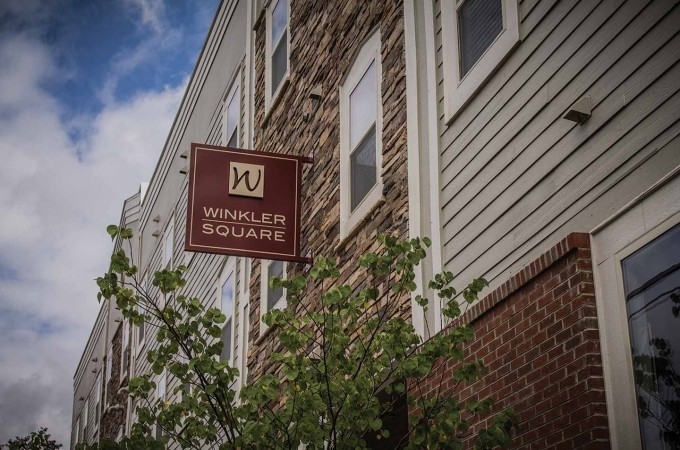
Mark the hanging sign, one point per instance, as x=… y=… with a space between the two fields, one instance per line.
x=244 y=203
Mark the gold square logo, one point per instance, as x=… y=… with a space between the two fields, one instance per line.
x=246 y=180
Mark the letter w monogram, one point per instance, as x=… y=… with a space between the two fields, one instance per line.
x=246 y=176
x=242 y=177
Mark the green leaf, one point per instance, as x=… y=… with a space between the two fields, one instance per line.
x=112 y=230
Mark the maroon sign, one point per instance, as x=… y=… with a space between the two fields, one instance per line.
x=244 y=203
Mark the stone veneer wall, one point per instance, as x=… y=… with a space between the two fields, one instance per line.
x=538 y=336
x=325 y=39
x=112 y=420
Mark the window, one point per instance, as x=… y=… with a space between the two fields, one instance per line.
x=109 y=362
x=361 y=138
x=109 y=366
x=161 y=386
x=278 y=41
x=140 y=328
x=125 y=352
x=97 y=399
x=227 y=289
x=477 y=35
x=637 y=279
x=651 y=279
x=271 y=298
x=168 y=244
x=232 y=116
x=77 y=431
x=85 y=418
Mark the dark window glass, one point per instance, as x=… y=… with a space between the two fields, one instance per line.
x=279 y=62
x=274 y=295
x=233 y=141
x=651 y=278
x=362 y=168
x=394 y=420
x=479 y=24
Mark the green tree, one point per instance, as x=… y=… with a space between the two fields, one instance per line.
x=348 y=357
x=37 y=440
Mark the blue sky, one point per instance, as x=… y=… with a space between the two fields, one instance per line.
x=88 y=91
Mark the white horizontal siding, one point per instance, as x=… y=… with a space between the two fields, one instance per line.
x=514 y=174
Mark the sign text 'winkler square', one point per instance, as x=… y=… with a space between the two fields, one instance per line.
x=244 y=203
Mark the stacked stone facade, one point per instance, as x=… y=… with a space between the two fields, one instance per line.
x=325 y=39
x=114 y=411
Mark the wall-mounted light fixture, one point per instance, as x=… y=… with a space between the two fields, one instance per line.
x=316 y=95
x=579 y=111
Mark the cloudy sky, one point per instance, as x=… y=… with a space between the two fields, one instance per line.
x=88 y=91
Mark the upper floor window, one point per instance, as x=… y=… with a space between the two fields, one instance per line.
x=227 y=297
x=361 y=137
x=161 y=388
x=168 y=244
x=107 y=378
x=109 y=362
x=97 y=399
x=271 y=298
x=140 y=328
x=85 y=419
x=477 y=36
x=231 y=116
x=125 y=352
x=277 y=53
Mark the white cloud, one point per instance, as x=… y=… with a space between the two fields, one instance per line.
x=55 y=206
x=151 y=13
x=150 y=16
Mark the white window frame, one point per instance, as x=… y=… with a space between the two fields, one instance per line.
x=169 y=233
x=637 y=224
x=271 y=96
x=228 y=269
x=161 y=394
x=125 y=345
x=264 y=291
x=85 y=415
x=162 y=380
x=98 y=396
x=234 y=94
x=109 y=362
x=244 y=325
x=77 y=430
x=108 y=373
x=457 y=91
x=349 y=220
x=139 y=344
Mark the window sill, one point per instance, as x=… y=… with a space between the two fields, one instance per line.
x=356 y=226
x=265 y=332
x=275 y=100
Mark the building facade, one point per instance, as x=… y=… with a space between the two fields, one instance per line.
x=100 y=396
x=536 y=143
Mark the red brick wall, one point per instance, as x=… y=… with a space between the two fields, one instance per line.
x=537 y=334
